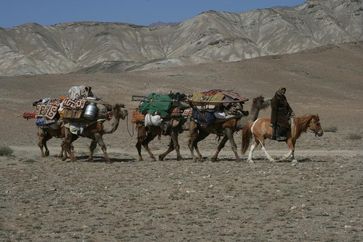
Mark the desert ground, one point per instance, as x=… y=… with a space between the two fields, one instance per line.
x=317 y=199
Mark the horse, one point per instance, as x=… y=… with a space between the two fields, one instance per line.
x=261 y=130
x=226 y=128
x=95 y=131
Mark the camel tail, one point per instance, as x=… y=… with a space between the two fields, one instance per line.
x=246 y=137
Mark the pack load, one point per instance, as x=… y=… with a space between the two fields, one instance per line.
x=82 y=106
x=79 y=107
x=158 y=109
x=216 y=105
x=46 y=111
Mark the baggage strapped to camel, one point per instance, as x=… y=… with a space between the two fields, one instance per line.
x=216 y=105
x=158 y=109
x=46 y=112
x=81 y=109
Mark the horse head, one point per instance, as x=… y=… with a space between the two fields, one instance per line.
x=315 y=126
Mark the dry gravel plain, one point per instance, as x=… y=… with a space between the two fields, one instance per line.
x=319 y=199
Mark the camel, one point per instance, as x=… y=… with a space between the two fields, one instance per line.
x=146 y=134
x=95 y=131
x=225 y=128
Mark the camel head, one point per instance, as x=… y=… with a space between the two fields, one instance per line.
x=118 y=111
x=260 y=102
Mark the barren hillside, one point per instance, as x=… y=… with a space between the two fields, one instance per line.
x=211 y=36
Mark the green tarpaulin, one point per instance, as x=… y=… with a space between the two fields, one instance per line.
x=159 y=103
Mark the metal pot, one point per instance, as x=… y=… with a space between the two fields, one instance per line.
x=90 y=112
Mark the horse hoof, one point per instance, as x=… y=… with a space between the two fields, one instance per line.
x=161 y=157
x=179 y=158
x=294 y=162
x=214 y=159
x=250 y=161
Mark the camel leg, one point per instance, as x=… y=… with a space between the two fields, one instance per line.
x=42 y=142
x=250 y=154
x=220 y=147
x=67 y=145
x=138 y=147
x=150 y=136
x=229 y=134
x=92 y=147
x=170 y=149
x=174 y=137
x=99 y=140
x=193 y=143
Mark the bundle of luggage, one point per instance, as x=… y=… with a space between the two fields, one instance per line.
x=216 y=105
x=79 y=108
x=159 y=109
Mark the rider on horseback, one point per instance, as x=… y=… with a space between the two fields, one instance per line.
x=281 y=112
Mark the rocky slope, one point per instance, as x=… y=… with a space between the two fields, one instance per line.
x=211 y=36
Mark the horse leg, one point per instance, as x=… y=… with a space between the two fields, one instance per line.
x=290 y=155
x=99 y=140
x=250 y=154
x=266 y=153
x=220 y=147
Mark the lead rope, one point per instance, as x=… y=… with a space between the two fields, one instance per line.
x=127 y=126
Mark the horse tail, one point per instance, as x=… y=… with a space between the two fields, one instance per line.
x=246 y=137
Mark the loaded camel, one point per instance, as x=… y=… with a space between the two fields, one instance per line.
x=225 y=128
x=171 y=127
x=95 y=131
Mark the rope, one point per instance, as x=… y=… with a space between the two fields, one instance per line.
x=127 y=127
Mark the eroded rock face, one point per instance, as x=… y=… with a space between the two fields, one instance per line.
x=208 y=37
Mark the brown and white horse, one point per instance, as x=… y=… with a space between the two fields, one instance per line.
x=261 y=129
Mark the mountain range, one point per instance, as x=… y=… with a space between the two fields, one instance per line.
x=87 y=47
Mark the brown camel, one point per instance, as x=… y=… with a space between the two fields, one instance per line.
x=146 y=134
x=224 y=128
x=95 y=131
x=45 y=133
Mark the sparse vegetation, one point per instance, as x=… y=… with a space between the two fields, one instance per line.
x=29 y=161
x=354 y=136
x=6 y=151
x=332 y=129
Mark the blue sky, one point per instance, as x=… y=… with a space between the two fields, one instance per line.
x=141 y=12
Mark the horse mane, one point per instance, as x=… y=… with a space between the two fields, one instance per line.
x=302 y=122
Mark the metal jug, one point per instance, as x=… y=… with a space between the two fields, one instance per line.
x=90 y=112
